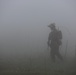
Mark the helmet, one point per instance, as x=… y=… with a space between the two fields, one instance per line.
x=52 y=25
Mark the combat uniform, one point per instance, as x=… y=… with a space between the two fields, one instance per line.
x=54 y=38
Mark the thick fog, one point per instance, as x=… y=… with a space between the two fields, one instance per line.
x=23 y=26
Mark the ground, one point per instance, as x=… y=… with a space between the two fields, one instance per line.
x=39 y=66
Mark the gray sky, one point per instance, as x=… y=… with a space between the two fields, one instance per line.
x=25 y=21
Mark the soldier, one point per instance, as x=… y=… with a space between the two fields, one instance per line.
x=54 y=41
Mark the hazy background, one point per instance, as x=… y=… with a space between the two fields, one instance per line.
x=23 y=26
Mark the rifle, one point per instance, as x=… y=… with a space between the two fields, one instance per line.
x=66 y=48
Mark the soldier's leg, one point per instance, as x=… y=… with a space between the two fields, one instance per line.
x=59 y=55
x=53 y=56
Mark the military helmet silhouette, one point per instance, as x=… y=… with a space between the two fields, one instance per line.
x=52 y=25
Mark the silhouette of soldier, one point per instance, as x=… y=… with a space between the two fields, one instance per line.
x=54 y=41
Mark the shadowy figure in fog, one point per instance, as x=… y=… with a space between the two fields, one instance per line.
x=54 y=41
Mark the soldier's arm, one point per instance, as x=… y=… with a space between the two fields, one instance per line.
x=49 y=39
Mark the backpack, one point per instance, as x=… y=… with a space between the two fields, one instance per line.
x=59 y=35
x=56 y=36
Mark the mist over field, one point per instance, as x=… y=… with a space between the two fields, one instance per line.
x=24 y=31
